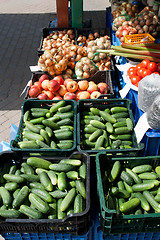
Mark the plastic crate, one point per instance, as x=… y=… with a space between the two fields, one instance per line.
x=74 y=224
x=139 y=38
x=46 y=32
x=110 y=221
x=102 y=104
x=36 y=103
x=99 y=76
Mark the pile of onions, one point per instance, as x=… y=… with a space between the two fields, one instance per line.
x=147 y=22
x=102 y=60
x=121 y=21
x=85 y=68
x=57 y=38
x=82 y=40
x=125 y=8
x=125 y=30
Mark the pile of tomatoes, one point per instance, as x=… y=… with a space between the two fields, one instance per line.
x=142 y=70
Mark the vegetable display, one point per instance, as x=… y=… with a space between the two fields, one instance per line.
x=39 y=189
x=132 y=190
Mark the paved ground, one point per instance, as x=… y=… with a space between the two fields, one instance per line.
x=21 y=23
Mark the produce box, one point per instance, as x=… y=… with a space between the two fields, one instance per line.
x=112 y=221
x=47 y=31
x=56 y=143
x=73 y=223
x=98 y=77
x=105 y=143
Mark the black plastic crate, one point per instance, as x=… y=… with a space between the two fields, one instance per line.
x=36 y=103
x=75 y=224
x=85 y=105
x=47 y=31
x=110 y=221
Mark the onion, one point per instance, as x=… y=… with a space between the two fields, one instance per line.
x=96 y=58
x=48 y=62
x=79 y=65
x=148 y=22
x=96 y=34
x=78 y=57
x=142 y=22
x=90 y=55
x=86 y=75
x=102 y=55
x=86 y=68
x=91 y=36
x=124 y=32
x=79 y=73
x=145 y=28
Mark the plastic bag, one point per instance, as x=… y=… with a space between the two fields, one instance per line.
x=148 y=89
x=153 y=114
x=13 y=132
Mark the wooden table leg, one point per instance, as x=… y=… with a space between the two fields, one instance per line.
x=62 y=13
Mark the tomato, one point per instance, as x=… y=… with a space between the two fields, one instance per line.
x=156 y=73
x=135 y=79
x=152 y=66
x=145 y=63
x=132 y=71
x=146 y=72
x=140 y=72
x=138 y=66
x=158 y=67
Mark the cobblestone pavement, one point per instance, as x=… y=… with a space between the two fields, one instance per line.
x=21 y=24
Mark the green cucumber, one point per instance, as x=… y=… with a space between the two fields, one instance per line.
x=13 y=178
x=42 y=144
x=30 y=177
x=30 y=212
x=62 y=181
x=109 y=127
x=65 y=145
x=148 y=175
x=144 y=203
x=27 y=116
x=120 y=115
x=32 y=136
x=121 y=130
x=36 y=185
x=60 y=214
x=65 y=109
x=82 y=171
x=12 y=169
x=10 y=213
x=93 y=137
x=128 y=187
x=49 y=131
x=135 y=177
x=142 y=168
x=97 y=124
x=45 y=135
x=72 y=175
x=39 y=170
x=99 y=142
x=21 y=196
x=57 y=105
x=129 y=124
x=37 y=162
x=155 y=205
x=38 y=203
x=90 y=129
x=64 y=135
x=116 y=168
x=53 y=177
x=64 y=167
x=37 y=120
x=118 y=109
x=78 y=202
x=65 y=115
x=11 y=186
x=72 y=161
x=42 y=194
x=126 y=177
x=66 y=121
x=119 y=124
x=129 y=205
x=68 y=199
x=107 y=117
x=32 y=127
x=53 y=145
x=140 y=187
x=58 y=194
x=86 y=142
x=45 y=181
x=6 y=196
x=27 y=168
x=95 y=111
x=28 y=145
x=116 y=144
x=80 y=187
x=51 y=124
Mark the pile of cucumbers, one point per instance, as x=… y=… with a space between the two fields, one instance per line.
x=132 y=190
x=111 y=128
x=40 y=189
x=48 y=128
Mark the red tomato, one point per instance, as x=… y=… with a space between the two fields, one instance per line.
x=158 y=67
x=152 y=66
x=145 y=63
x=146 y=72
x=156 y=73
x=140 y=72
x=132 y=71
x=135 y=79
x=138 y=66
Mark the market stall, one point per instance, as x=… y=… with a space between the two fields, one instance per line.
x=84 y=163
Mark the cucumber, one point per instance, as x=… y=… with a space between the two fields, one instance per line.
x=140 y=187
x=123 y=194
x=10 y=213
x=99 y=142
x=58 y=194
x=65 y=109
x=37 y=162
x=53 y=145
x=93 y=137
x=135 y=177
x=121 y=130
x=27 y=168
x=157 y=170
x=45 y=181
x=119 y=124
x=144 y=203
x=66 y=121
x=78 y=204
x=60 y=214
x=38 y=203
x=128 y=187
x=142 y=168
x=116 y=168
x=37 y=120
x=94 y=117
x=53 y=177
x=95 y=111
x=116 y=144
x=90 y=129
x=80 y=187
x=72 y=161
x=72 y=175
x=39 y=170
x=32 y=136
x=51 y=124
x=107 y=117
x=157 y=198
x=68 y=199
x=21 y=196
x=106 y=140
x=57 y=105
x=118 y=109
x=13 y=178
x=16 y=192
x=30 y=177
x=12 y=169
x=11 y=186
x=109 y=127
x=129 y=205
x=65 y=115
x=126 y=177
x=27 y=116
x=155 y=205
x=30 y=212
x=36 y=185
x=156 y=182
x=55 y=118
x=67 y=127
x=65 y=135
x=120 y=115
x=129 y=124
x=42 y=194
x=65 y=145
x=148 y=175
x=5 y=169
x=28 y=144
x=49 y=131
x=45 y=135
x=64 y=167
x=86 y=142
x=82 y=171
x=32 y=127
x=42 y=144
x=6 y=196
x=62 y=181
x=114 y=191
x=97 y=124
